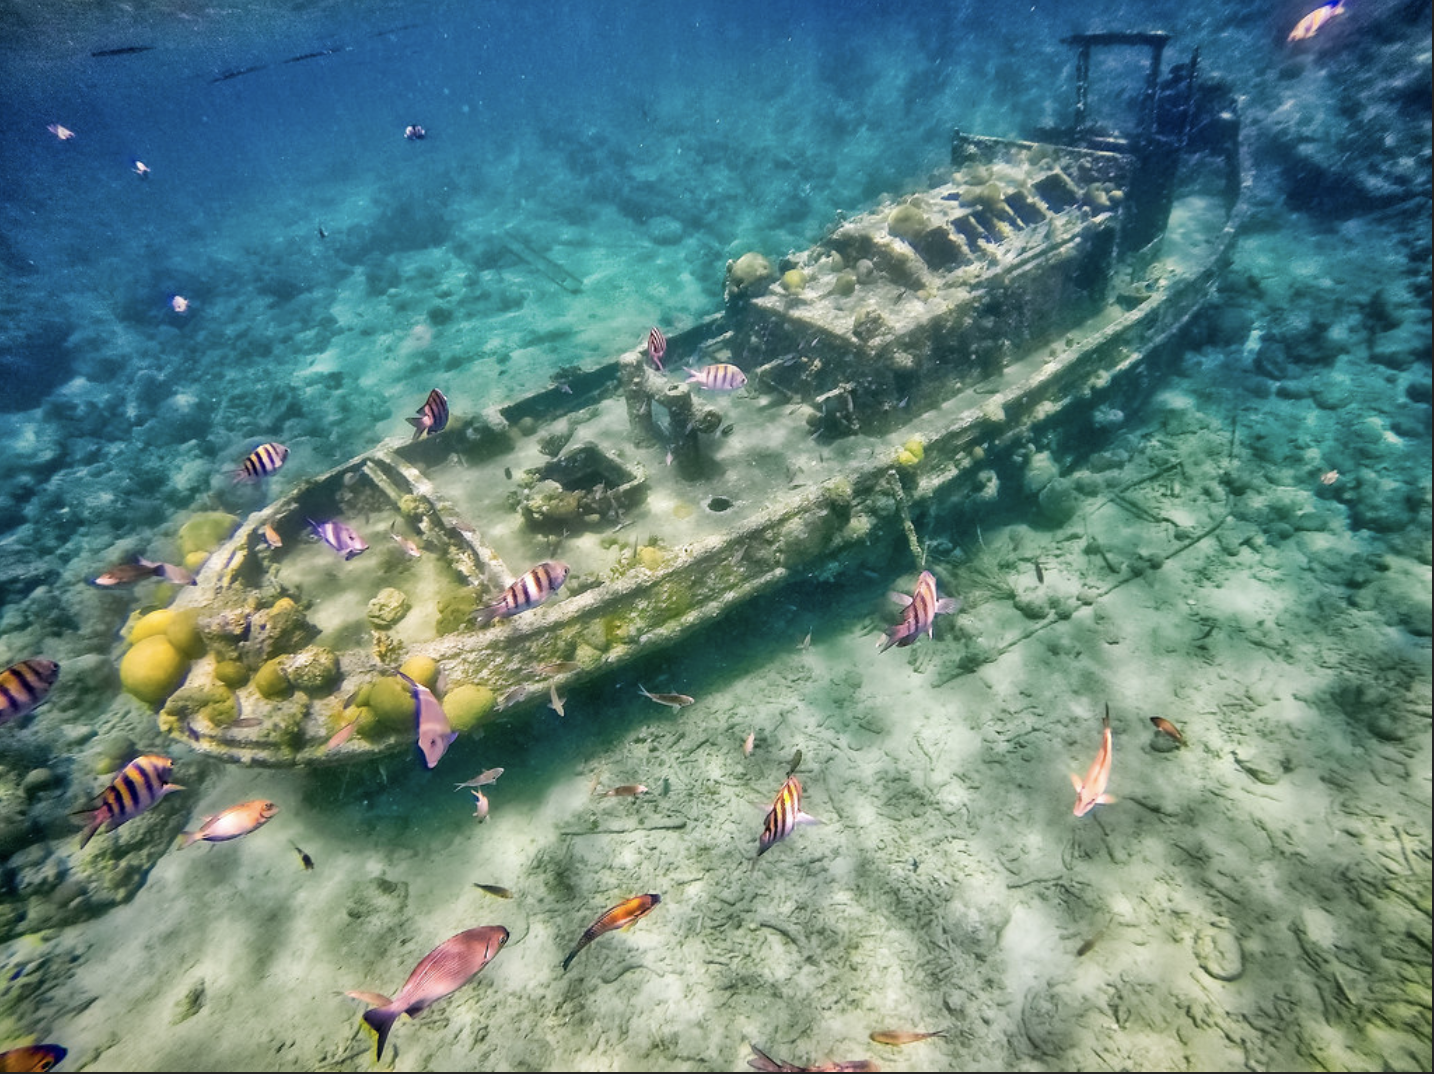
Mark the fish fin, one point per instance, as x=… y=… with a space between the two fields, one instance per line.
x=1107 y=799
x=1075 y=782
x=948 y=605
x=806 y=818
x=90 y=828
x=903 y=599
x=185 y=838
x=380 y=1020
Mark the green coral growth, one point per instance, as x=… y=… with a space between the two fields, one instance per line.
x=214 y=705
x=455 y=611
x=392 y=702
x=231 y=673
x=468 y=705
x=206 y=531
x=271 y=682
x=314 y=670
x=183 y=634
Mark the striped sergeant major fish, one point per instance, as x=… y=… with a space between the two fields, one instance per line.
x=140 y=784
x=719 y=377
x=919 y=614
x=24 y=685
x=656 y=347
x=340 y=537
x=623 y=915
x=785 y=814
x=529 y=591
x=432 y=415
x=261 y=462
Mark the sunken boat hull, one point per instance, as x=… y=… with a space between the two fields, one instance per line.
x=888 y=368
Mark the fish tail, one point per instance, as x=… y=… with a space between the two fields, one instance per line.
x=417 y=427
x=380 y=1020
x=583 y=942
x=93 y=826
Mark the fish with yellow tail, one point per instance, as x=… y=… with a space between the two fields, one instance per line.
x=231 y=823
x=443 y=971
x=624 y=915
x=529 y=591
x=919 y=612
x=435 y=733
x=1090 y=792
x=785 y=814
x=24 y=686
x=140 y=784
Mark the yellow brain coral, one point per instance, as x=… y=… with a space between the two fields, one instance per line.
x=153 y=669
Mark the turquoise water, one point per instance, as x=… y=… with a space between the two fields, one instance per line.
x=1260 y=898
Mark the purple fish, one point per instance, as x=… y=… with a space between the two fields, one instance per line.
x=432 y=415
x=435 y=734
x=720 y=377
x=919 y=614
x=656 y=347
x=340 y=537
x=443 y=971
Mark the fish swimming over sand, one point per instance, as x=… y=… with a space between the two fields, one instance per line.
x=411 y=550
x=627 y=790
x=432 y=415
x=31 y=1057
x=529 y=591
x=141 y=568
x=897 y=1037
x=672 y=701
x=261 y=462
x=231 y=823
x=140 y=784
x=1090 y=792
x=1311 y=24
x=304 y=860
x=623 y=915
x=443 y=971
x=785 y=814
x=340 y=537
x=762 y=1061
x=435 y=734
x=749 y=742
x=496 y=890
x=1164 y=726
x=656 y=347
x=24 y=686
x=480 y=805
x=919 y=613
x=480 y=780
x=718 y=377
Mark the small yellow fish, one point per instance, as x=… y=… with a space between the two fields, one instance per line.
x=271 y=536
x=672 y=701
x=897 y=1037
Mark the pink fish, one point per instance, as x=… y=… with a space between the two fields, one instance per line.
x=443 y=971
x=656 y=347
x=232 y=823
x=919 y=614
x=719 y=377
x=529 y=591
x=1091 y=791
x=435 y=734
x=1310 y=25
x=340 y=537
x=432 y=415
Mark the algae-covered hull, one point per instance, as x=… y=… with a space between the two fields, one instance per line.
x=886 y=368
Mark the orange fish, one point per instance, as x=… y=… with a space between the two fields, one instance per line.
x=621 y=916
x=630 y=790
x=1091 y=791
x=271 y=536
x=32 y=1057
x=443 y=971
x=232 y=823
x=1164 y=725
x=342 y=735
x=1310 y=25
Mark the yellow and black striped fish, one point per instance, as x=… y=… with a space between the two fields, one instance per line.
x=529 y=591
x=261 y=462
x=24 y=685
x=786 y=814
x=140 y=784
x=619 y=917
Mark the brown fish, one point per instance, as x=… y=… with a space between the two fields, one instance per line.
x=32 y=1057
x=628 y=790
x=495 y=890
x=897 y=1037
x=672 y=701
x=623 y=915
x=232 y=823
x=1165 y=726
x=443 y=971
